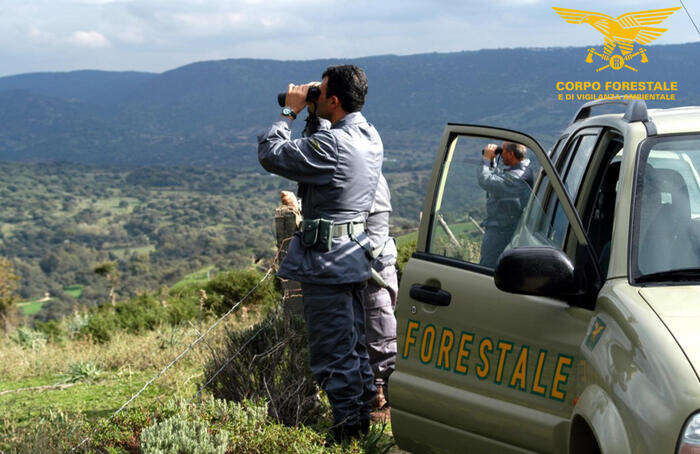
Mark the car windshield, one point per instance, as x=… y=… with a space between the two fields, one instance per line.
x=667 y=211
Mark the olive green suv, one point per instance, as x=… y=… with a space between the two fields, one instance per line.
x=584 y=334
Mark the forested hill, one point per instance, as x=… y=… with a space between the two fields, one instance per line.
x=207 y=113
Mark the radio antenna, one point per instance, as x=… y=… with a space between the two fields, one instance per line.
x=690 y=17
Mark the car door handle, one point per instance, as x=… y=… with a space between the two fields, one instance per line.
x=430 y=295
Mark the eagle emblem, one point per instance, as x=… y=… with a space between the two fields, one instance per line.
x=620 y=33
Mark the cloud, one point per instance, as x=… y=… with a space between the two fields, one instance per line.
x=209 y=23
x=130 y=35
x=91 y=39
x=39 y=36
x=519 y=2
x=156 y=35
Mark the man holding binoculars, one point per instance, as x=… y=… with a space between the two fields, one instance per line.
x=337 y=170
x=507 y=191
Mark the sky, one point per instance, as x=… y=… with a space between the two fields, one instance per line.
x=157 y=35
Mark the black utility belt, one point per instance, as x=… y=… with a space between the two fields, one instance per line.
x=320 y=232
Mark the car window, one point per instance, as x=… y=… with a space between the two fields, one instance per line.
x=600 y=205
x=578 y=156
x=541 y=228
x=578 y=162
x=685 y=167
x=666 y=225
x=480 y=205
x=556 y=151
x=559 y=225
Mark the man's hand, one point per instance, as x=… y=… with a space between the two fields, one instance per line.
x=490 y=151
x=296 y=97
x=311 y=106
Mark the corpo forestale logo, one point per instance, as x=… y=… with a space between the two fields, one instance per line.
x=621 y=34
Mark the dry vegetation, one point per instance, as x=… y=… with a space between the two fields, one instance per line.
x=54 y=393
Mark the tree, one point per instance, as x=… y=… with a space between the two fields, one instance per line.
x=8 y=286
x=109 y=271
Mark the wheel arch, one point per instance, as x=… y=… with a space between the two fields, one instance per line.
x=582 y=439
x=595 y=411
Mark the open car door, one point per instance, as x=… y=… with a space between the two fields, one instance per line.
x=479 y=369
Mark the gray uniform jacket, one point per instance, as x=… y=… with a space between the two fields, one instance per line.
x=378 y=225
x=507 y=191
x=378 y=219
x=337 y=170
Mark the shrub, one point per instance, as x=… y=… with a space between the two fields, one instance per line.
x=28 y=338
x=250 y=430
x=182 y=309
x=121 y=434
x=236 y=417
x=83 y=371
x=271 y=366
x=146 y=312
x=169 y=337
x=52 y=330
x=55 y=432
x=377 y=441
x=405 y=251
x=179 y=435
x=141 y=313
x=76 y=323
x=100 y=326
x=227 y=288
x=8 y=298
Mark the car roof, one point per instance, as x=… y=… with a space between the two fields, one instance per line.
x=676 y=120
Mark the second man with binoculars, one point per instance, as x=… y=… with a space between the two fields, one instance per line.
x=507 y=191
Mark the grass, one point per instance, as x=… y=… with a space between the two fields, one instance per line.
x=124 y=253
x=54 y=420
x=127 y=361
x=460 y=230
x=198 y=277
x=96 y=400
x=6 y=229
x=405 y=239
x=57 y=392
x=32 y=307
x=112 y=204
x=75 y=290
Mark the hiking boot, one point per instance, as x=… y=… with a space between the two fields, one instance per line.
x=344 y=433
x=364 y=424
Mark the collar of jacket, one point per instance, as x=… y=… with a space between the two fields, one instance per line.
x=520 y=165
x=350 y=119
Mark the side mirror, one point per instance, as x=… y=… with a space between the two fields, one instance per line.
x=541 y=271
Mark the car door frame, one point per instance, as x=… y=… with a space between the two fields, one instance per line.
x=436 y=187
x=562 y=164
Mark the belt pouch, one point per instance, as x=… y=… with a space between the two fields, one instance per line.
x=325 y=234
x=309 y=232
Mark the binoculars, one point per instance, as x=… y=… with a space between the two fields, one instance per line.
x=312 y=95
x=498 y=151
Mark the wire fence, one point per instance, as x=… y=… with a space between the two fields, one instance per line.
x=271 y=269
x=184 y=352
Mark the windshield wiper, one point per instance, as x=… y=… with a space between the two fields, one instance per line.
x=685 y=274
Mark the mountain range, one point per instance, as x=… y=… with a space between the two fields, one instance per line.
x=208 y=113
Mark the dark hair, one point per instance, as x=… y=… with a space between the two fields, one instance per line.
x=517 y=149
x=349 y=84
